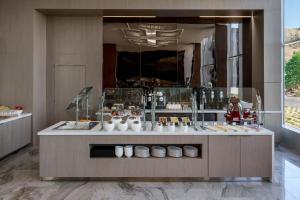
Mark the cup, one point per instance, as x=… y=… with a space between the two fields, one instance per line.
x=128 y=151
x=119 y=151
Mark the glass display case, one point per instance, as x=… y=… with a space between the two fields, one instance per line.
x=125 y=108
x=240 y=106
x=81 y=104
x=122 y=109
x=173 y=107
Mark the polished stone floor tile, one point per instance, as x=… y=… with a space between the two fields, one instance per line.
x=19 y=179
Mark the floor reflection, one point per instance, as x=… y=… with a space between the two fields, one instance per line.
x=19 y=179
x=292 y=179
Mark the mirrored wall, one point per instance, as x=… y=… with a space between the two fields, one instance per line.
x=147 y=53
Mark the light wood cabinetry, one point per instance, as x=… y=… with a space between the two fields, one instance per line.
x=256 y=156
x=5 y=139
x=224 y=156
x=240 y=156
x=69 y=156
x=14 y=135
x=219 y=156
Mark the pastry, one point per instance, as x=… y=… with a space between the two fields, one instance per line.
x=175 y=120
x=163 y=120
x=186 y=120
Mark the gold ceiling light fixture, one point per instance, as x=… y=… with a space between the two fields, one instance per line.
x=152 y=35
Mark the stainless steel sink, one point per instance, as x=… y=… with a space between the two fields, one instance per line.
x=72 y=125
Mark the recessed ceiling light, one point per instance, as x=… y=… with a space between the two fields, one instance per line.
x=225 y=16
x=114 y=16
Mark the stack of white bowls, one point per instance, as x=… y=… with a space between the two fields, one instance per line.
x=141 y=151
x=190 y=151
x=174 y=151
x=158 y=151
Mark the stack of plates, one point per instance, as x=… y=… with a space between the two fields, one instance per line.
x=174 y=151
x=157 y=151
x=190 y=151
x=141 y=152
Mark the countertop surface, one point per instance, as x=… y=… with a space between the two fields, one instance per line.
x=2 y=121
x=239 y=130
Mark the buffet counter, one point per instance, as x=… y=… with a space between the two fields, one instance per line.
x=91 y=153
x=9 y=119
x=97 y=130
x=15 y=133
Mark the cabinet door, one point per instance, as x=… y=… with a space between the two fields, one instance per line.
x=17 y=133
x=224 y=156
x=5 y=139
x=256 y=156
x=27 y=131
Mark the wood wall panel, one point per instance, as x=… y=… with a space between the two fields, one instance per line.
x=74 y=41
x=16 y=53
x=39 y=111
x=159 y=5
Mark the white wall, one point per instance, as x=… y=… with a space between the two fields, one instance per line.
x=16 y=47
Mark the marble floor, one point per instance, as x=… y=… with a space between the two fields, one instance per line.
x=19 y=180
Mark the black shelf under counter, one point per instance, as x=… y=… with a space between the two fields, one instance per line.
x=108 y=150
x=102 y=151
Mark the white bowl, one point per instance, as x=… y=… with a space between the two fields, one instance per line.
x=108 y=126
x=131 y=119
x=116 y=119
x=184 y=127
x=171 y=127
x=136 y=126
x=159 y=127
x=122 y=126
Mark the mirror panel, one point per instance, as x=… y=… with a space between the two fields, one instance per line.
x=140 y=53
